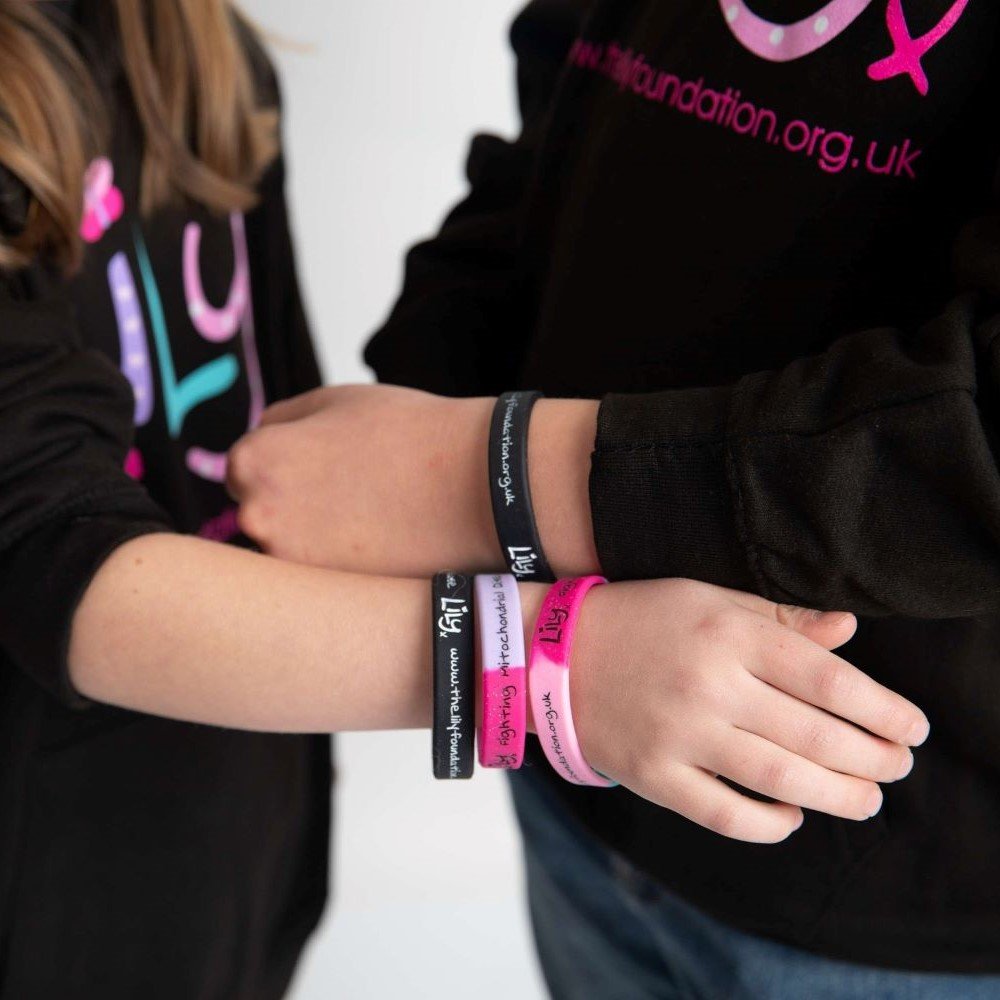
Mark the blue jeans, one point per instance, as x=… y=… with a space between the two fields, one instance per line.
x=605 y=931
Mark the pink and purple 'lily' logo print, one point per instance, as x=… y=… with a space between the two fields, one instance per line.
x=144 y=357
x=785 y=42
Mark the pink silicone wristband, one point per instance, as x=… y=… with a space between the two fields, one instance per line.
x=505 y=681
x=548 y=680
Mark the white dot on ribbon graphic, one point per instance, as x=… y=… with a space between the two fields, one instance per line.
x=785 y=42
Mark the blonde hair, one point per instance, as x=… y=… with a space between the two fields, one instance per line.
x=206 y=137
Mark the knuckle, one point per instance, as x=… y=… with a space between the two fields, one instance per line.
x=696 y=688
x=726 y=820
x=787 y=614
x=776 y=777
x=832 y=680
x=816 y=738
x=685 y=682
x=683 y=589
x=715 y=627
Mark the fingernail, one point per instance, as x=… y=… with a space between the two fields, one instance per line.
x=919 y=733
x=906 y=768
x=873 y=803
x=833 y=618
x=802 y=819
x=837 y=618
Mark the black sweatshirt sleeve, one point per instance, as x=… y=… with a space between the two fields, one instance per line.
x=65 y=503
x=864 y=478
x=463 y=319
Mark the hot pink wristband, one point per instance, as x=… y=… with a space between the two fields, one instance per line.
x=505 y=681
x=548 y=680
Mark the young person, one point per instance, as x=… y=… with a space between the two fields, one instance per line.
x=764 y=234
x=143 y=857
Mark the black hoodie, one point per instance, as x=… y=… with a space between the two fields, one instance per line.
x=766 y=234
x=141 y=857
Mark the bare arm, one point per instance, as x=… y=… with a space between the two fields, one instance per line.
x=193 y=630
x=673 y=681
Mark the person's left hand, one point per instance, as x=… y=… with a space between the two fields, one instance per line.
x=373 y=479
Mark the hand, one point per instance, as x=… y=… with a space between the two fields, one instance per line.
x=675 y=683
x=372 y=479
x=378 y=479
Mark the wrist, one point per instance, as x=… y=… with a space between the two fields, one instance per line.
x=560 y=444
x=480 y=548
x=590 y=662
x=593 y=666
x=532 y=597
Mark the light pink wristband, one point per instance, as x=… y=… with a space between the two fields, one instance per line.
x=548 y=680
x=505 y=681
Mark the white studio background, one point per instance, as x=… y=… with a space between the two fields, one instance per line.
x=379 y=110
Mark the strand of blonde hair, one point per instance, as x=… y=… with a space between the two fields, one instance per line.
x=205 y=136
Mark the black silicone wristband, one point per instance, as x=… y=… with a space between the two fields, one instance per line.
x=454 y=733
x=510 y=493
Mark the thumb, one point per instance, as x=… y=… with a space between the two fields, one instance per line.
x=829 y=629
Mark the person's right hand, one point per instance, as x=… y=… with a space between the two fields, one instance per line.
x=676 y=684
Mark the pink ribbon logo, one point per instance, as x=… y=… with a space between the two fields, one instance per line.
x=787 y=42
x=907 y=50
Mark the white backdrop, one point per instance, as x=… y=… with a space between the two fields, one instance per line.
x=379 y=113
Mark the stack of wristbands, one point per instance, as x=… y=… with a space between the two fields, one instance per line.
x=492 y=603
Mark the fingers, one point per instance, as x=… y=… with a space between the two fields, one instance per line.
x=799 y=667
x=828 y=629
x=762 y=766
x=703 y=799
x=251 y=462
x=244 y=464
x=238 y=465
x=822 y=738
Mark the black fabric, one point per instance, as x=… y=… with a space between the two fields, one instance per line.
x=140 y=857
x=790 y=312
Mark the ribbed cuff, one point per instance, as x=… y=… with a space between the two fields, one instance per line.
x=663 y=498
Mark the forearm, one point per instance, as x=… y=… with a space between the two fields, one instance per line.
x=202 y=632
x=560 y=442
x=207 y=633
x=383 y=480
